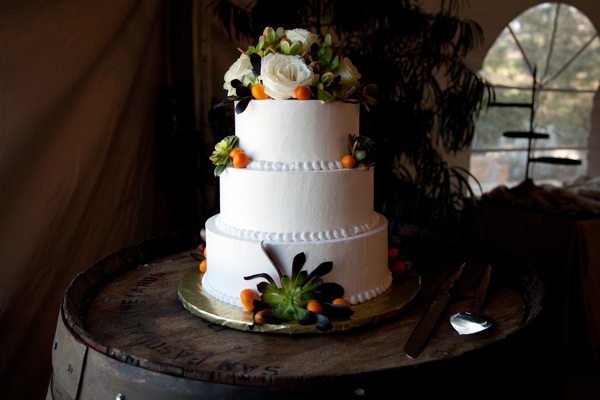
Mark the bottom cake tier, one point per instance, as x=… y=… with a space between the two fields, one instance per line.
x=360 y=262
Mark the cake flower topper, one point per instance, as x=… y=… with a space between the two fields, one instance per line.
x=294 y=64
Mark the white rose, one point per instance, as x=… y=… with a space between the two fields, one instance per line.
x=282 y=74
x=239 y=68
x=348 y=72
x=302 y=35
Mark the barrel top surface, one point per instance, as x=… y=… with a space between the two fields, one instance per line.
x=128 y=309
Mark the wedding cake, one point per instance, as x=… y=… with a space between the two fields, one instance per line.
x=297 y=176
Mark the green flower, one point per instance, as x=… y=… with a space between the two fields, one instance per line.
x=288 y=301
x=364 y=151
x=220 y=156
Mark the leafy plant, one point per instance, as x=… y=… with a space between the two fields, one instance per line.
x=288 y=302
x=220 y=156
x=364 y=151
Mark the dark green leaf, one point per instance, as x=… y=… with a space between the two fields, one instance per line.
x=219 y=169
x=300 y=279
x=263 y=246
x=225 y=102
x=323 y=323
x=263 y=287
x=285 y=283
x=322 y=270
x=241 y=106
x=299 y=260
x=274 y=300
x=261 y=275
x=336 y=311
x=328 y=292
x=308 y=319
x=325 y=96
x=311 y=285
x=255 y=60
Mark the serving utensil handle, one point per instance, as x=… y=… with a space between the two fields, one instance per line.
x=481 y=291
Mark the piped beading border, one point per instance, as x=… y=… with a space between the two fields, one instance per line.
x=371 y=294
x=299 y=236
x=261 y=165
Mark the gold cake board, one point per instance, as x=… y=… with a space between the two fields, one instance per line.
x=402 y=291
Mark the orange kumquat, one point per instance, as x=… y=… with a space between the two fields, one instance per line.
x=240 y=159
x=342 y=302
x=247 y=296
x=302 y=93
x=258 y=92
x=315 y=307
x=234 y=151
x=348 y=161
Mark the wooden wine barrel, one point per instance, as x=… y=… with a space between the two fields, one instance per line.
x=124 y=334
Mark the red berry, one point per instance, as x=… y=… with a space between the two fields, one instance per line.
x=392 y=255
x=398 y=267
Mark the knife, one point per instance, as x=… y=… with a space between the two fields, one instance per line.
x=419 y=336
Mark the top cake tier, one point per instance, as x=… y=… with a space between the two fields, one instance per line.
x=287 y=133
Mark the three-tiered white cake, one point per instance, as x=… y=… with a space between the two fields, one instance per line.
x=296 y=196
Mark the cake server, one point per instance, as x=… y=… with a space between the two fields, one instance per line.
x=419 y=336
x=467 y=323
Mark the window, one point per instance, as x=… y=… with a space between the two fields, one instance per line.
x=559 y=46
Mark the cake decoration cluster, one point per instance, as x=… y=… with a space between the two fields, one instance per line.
x=361 y=152
x=295 y=64
x=227 y=154
x=302 y=297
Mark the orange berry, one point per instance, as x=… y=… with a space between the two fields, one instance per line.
x=247 y=296
x=234 y=151
x=302 y=93
x=259 y=317
x=240 y=159
x=315 y=307
x=342 y=302
x=348 y=161
x=204 y=252
x=258 y=92
x=202 y=266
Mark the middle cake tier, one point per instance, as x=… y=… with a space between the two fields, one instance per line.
x=322 y=203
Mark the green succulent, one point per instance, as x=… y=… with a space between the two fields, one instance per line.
x=364 y=151
x=220 y=156
x=319 y=85
x=274 y=41
x=325 y=57
x=288 y=301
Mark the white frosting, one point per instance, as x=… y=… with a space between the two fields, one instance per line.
x=359 y=262
x=296 y=201
x=291 y=131
x=296 y=197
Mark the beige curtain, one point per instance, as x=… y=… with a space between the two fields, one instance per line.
x=79 y=81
